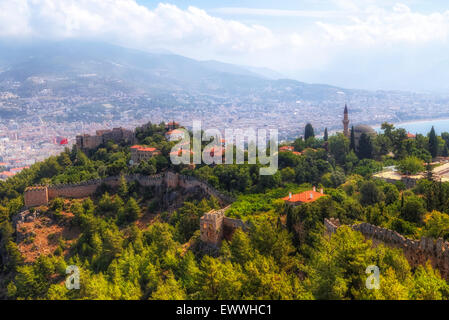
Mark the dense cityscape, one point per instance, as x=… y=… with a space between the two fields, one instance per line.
x=31 y=128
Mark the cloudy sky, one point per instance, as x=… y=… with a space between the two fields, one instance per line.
x=373 y=44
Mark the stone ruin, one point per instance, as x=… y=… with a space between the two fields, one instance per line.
x=41 y=195
x=417 y=252
x=36 y=196
x=215 y=227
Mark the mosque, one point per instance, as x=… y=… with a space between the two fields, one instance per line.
x=358 y=130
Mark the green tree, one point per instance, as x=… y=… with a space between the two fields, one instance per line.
x=433 y=143
x=338 y=147
x=223 y=281
x=309 y=132
x=169 y=289
x=123 y=187
x=411 y=165
x=391 y=193
x=371 y=193
x=352 y=140
x=132 y=210
x=365 y=150
x=436 y=225
x=413 y=209
x=428 y=285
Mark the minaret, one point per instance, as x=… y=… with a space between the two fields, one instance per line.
x=346 y=122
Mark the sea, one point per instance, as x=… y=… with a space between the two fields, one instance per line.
x=422 y=126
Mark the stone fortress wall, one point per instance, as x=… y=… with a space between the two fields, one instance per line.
x=41 y=195
x=417 y=252
x=215 y=226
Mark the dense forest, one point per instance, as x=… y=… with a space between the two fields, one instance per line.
x=128 y=246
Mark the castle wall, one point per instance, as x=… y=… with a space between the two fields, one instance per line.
x=73 y=191
x=215 y=226
x=211 y=227
x=34 y=197
x=417 y=252
x=230 y=225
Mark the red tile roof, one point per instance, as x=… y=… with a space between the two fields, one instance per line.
x=286 y=148
x=175 y=131
x=142 y=148
x=7 y=173
x=305 y=197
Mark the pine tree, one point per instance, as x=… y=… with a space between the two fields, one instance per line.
x=433 y=143
x=132 y=210
x=123 y=188
x=309 y=132
x=352 y=144
x=326 y=136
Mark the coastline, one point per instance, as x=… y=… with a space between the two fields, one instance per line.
x=408 y=122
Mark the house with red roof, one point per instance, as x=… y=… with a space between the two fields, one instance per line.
x=286 y=149
x=142 y=153
x=303 y=197
x=172 y=125
x=6 y=174
x=174 y=135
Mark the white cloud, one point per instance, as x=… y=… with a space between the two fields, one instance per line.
x=126 y=21
x=396 y=26
x=277 y=12
x=368 y=26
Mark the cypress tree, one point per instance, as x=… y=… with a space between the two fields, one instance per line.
x=429 y=172
x=326 y=136
x=352 y=144
x=309 y=132
x=433 y=143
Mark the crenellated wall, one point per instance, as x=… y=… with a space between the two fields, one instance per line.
x=417 y=252
x=37 y=196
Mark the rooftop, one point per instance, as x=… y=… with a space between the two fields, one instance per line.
x=304 y=197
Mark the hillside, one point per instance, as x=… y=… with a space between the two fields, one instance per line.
x=159 y=231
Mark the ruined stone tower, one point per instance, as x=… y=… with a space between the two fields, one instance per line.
x=211 y=226
x=36 y=196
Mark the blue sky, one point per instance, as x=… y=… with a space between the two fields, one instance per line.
x=368 y=44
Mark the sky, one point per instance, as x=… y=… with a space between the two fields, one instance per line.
x=366 y=44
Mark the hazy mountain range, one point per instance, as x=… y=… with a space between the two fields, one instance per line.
x=88 y=69
x=140 y=70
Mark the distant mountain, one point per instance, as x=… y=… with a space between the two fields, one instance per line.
x=74 y=80
x=138 y=70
